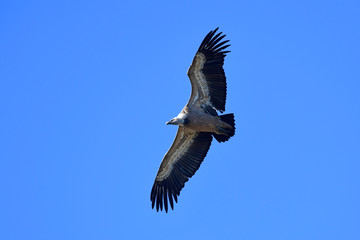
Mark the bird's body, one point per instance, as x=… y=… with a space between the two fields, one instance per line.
x=198 y=122
x=196 y=118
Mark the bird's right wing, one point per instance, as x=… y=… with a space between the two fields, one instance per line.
x=179 y=164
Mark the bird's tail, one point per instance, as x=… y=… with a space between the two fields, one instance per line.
x=229 y=119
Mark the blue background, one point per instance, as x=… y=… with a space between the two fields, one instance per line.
x=86 y=88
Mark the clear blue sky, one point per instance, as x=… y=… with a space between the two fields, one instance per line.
x=86 y=88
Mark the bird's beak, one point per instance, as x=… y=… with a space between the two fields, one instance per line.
x=169 y=122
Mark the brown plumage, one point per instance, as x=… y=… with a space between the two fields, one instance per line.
x=198 y=122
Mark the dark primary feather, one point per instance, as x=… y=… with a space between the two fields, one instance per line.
x=212 y=47
x=165 y=190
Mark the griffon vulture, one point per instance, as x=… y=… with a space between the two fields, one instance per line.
x=198 y=122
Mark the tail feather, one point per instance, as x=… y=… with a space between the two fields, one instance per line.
x=229 y=119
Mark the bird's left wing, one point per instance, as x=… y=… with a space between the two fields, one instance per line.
x=206 y=73
x=179 y=164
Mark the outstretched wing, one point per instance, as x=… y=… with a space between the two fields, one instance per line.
x=179 y=164
x=206 y=72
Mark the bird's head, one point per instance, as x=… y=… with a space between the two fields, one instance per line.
x=176 y=121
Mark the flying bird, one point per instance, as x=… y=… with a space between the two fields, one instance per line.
x=198 y=122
